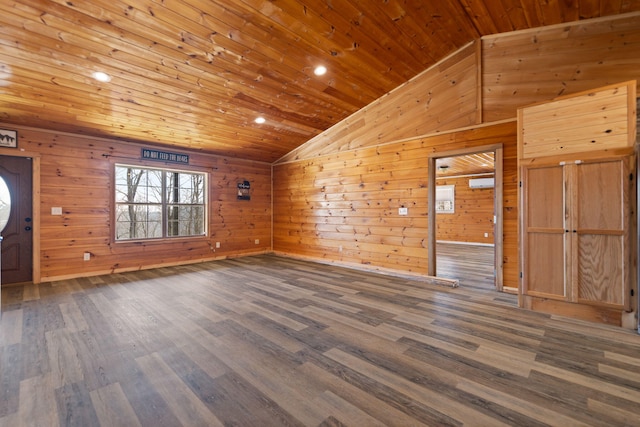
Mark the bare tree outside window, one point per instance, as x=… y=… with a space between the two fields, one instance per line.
x=157 y=203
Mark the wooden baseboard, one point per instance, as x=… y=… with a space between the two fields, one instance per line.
x=609 y=316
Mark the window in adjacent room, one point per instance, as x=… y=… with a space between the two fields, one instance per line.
x=445 y=198
x=154 y=203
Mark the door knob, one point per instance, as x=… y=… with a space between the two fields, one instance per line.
x=27 y=228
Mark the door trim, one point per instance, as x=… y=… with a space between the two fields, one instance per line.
x=498 y=206
x=35 y=191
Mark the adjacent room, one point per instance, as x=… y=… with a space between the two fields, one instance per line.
x=319 y=213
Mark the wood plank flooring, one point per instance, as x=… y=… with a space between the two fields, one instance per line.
x=272 y=341
x=472 y=264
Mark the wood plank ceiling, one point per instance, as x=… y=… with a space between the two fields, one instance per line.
x=471 y=164
x=194 y=74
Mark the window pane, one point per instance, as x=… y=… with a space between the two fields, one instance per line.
x=135 y=185
x=5 y=204
x=185 y=188
x=138 y=221
x=185 y=220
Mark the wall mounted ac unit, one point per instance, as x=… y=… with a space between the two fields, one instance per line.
x=482 y=183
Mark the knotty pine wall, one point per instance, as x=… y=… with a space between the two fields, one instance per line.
x=472 y=216
x=526 y=67
x=344 y=207
x=77 y=174
x=343 y=188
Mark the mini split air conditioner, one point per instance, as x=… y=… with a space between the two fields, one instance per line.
x=482 y=183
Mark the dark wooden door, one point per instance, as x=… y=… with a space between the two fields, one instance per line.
x=17 y=243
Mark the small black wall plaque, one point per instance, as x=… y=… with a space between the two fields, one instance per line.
x=243 y=190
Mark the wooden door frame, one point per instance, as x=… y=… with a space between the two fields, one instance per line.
x=634 y=203
x=498 y=207
x=35 y=197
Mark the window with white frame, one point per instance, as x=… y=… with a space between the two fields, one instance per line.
x=155 y=203
x=445 y=198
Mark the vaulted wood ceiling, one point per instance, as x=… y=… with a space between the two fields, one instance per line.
x=196 y=73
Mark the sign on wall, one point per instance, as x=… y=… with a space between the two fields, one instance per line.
x=164 y=156
x=243 y=190
x=8 y=138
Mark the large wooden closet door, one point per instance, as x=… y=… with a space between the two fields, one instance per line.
x=577 y=204
x=575 y=245
x=544 y=232
x=600 y=215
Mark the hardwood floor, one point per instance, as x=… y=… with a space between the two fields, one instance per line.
x=272 y=341
x=472 y=264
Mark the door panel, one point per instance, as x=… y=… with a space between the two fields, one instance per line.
x=602 y=203
x=546 y=197
x=600 y=271
x=600 y=196
x=545 y=268
x=17 y=244
x=544 y=233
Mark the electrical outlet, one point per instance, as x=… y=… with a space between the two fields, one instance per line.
x=217 y=245
x=403 y=211
x=257 y=241
x=56 y=211
x=486 y=234
x=87 y=256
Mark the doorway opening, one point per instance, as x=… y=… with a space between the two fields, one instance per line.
x=465 y=216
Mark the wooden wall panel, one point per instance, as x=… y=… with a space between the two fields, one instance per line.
x=472 y=216
x=444 y=97
x=337 y=196
x=530 y=66
x=515 y=69
x=598 y=120
x=343 y=207
x=76 y=174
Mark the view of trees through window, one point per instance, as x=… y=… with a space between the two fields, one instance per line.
x=158 y=203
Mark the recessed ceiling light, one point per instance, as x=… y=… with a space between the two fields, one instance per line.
x=260 y=120
x=320 y=70
x=101 y=76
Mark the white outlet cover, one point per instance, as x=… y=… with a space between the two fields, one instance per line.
x=56 y=211
x=403 y=211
